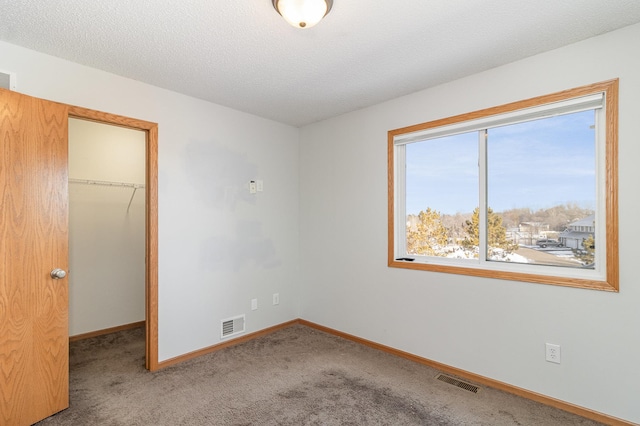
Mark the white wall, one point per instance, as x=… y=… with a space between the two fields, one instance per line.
x=219 y=246
x=106 y=234
x=494 y=328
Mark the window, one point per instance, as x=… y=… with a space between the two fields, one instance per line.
x=525 y=191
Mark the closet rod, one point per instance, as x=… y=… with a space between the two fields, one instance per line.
x=107 y=183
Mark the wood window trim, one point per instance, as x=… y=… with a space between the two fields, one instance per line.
x=611 y=281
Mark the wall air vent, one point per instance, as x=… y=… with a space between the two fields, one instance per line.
x=231 y=326
x=7 y=80
x=458 y=383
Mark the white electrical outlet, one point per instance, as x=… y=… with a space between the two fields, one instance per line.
x=259 y=185
x=276 y=298
x=252 y=187
x=254 y=304
x=553 y=353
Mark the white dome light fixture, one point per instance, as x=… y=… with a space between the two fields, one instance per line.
x=302 y=13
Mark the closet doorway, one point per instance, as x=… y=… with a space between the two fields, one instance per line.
x=35 y=332
x=113 y=223
x=106 y=228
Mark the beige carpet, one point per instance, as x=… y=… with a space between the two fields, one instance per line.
x=296 y=376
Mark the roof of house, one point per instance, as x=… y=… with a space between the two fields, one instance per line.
x=587 y=221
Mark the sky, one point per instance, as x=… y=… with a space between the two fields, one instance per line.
x=536 y=164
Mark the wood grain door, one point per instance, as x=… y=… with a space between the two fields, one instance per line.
x=34 y=347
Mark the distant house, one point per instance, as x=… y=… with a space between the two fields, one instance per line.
x=536 y=229
x=528 y=232
x=578 y=231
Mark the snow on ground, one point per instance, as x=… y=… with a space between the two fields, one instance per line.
x=516 y=258
x=458 y=252
x=496 y=254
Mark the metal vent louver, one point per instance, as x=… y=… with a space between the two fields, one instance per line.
x=458 y=383
x=232 y=326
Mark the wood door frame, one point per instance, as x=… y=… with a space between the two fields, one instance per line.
x=151 y=218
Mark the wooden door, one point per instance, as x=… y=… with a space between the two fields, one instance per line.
x=34 y=347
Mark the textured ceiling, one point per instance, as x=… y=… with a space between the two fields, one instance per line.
x=242 y=54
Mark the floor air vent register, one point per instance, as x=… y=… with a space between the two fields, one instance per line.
x=458 y=383
x=231 y=326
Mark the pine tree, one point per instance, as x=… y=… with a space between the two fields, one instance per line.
x=587 y=255
x=428 y=235
x=497 y=232
x=473 y=230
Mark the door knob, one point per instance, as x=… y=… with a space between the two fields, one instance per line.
x=58 y=274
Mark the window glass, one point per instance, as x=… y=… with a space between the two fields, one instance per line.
x=541 y=182
x=441 y=186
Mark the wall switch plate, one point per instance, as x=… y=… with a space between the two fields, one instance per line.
x=254 y=304
x=252 y=187
x=553 y=353
x=276 y=298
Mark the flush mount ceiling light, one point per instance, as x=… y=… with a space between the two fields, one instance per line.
x=303 y=13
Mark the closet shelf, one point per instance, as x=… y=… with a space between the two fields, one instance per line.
x=107 y=183
x=134 y=186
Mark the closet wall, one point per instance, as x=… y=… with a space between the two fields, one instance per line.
x=106 y=226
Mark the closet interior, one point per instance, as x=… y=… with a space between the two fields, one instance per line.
x=106 y=226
